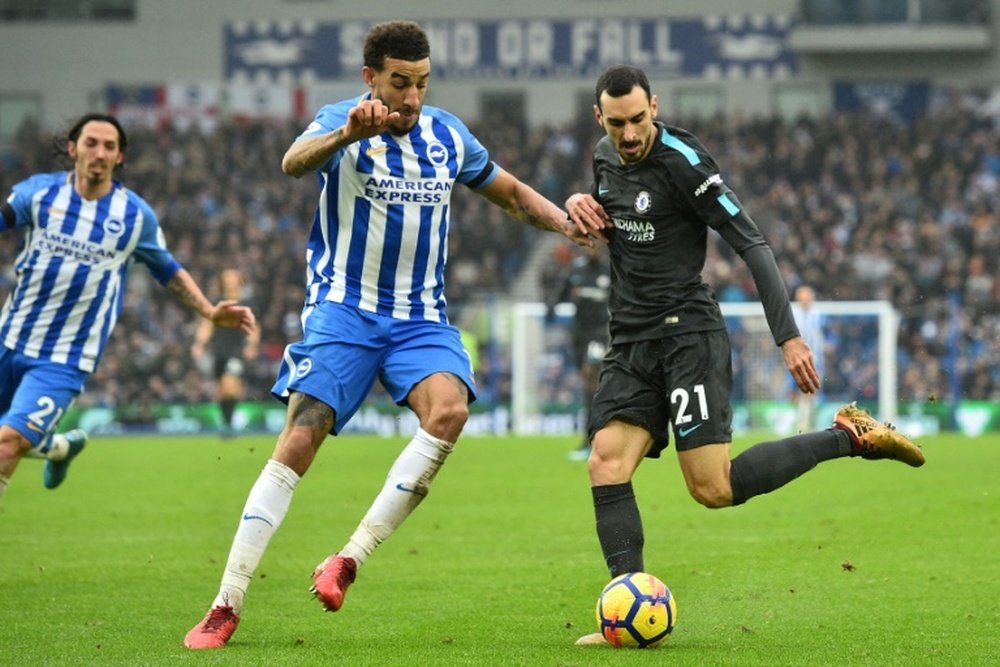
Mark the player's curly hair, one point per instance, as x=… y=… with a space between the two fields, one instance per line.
x=620 y=80
x=59 y=143
x=404 y=40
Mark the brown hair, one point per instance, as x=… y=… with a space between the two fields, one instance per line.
x=404 y=40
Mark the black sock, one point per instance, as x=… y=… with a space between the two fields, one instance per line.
x=228 y=407
x=619 y=527
x=770 y=465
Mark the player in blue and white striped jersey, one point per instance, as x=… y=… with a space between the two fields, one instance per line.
x=81 y=230
x=375 y=304
x=811 y=324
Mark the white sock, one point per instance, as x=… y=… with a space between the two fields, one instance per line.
x=58 y=448
x=4 y=482
x=406 y=485
x=804 y=414
x=53 y=448
x=265 y=508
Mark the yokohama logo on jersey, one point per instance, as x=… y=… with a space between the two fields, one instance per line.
x=703 y=188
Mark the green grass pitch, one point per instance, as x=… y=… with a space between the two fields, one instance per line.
x=857 y=563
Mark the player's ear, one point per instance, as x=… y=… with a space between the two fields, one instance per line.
x=71 y=149
x=597 y=115
x=653 y=105
x=368 y=74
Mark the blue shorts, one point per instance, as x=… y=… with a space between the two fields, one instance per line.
x=35 y=394
x=345 y=349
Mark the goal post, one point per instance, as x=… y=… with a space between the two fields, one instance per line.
x=858 y=364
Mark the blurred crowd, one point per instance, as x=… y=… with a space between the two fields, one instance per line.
x=863 y=207
x=857 y=206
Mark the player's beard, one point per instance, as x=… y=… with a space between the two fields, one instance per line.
x=642 y=146
x=407 y=122
x=96 y=171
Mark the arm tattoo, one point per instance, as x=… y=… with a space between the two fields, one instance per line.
x=176 y=287
x=522 y=214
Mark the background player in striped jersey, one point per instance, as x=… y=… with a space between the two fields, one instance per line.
x=670 y=359
x=81 y=229
x=810 y=324
x=375 y=305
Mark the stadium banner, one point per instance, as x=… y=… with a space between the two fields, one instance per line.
x=136 y=104
x=971 y=418
x=193 y=103
x=307 y=51
x=897 y=100
x=246 y=101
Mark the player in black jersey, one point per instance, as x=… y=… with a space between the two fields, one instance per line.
x=231 y=350
x=657 y=192
x=586 y=286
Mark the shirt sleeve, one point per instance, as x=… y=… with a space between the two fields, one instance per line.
x=772 y=293
x=697 y=176
x=328 y=119
x=16 y=211
x=152 y=249
x=476 y=170
x=745 y=238
x=701 y=183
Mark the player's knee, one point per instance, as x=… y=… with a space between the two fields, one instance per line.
x=712 y=494
x=448 y=418
x=606 y=465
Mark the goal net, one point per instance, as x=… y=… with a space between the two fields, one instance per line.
x=857 y=363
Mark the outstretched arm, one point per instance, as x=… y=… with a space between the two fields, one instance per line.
x=226 y=313
x=368 y=118
x=745 y=238
x=522 y=202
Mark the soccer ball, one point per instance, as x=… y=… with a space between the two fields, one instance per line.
x=636 y=610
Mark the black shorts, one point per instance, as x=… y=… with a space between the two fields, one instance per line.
x=683 y=380
x=228 y=366
x=589 y=349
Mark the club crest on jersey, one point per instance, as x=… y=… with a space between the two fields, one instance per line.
x=437 y=153
x=642 y=202
x=114 y=227
x=303 y=367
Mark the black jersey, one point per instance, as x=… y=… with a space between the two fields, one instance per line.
x=228 y=342
x=586 y=286
x=662 y=208
x=225 y=342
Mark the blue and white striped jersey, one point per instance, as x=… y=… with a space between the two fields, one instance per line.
x=379 y=238
x=811 y=324
x=71 y=267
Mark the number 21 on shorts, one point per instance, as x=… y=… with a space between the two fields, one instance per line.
x=680 y=398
